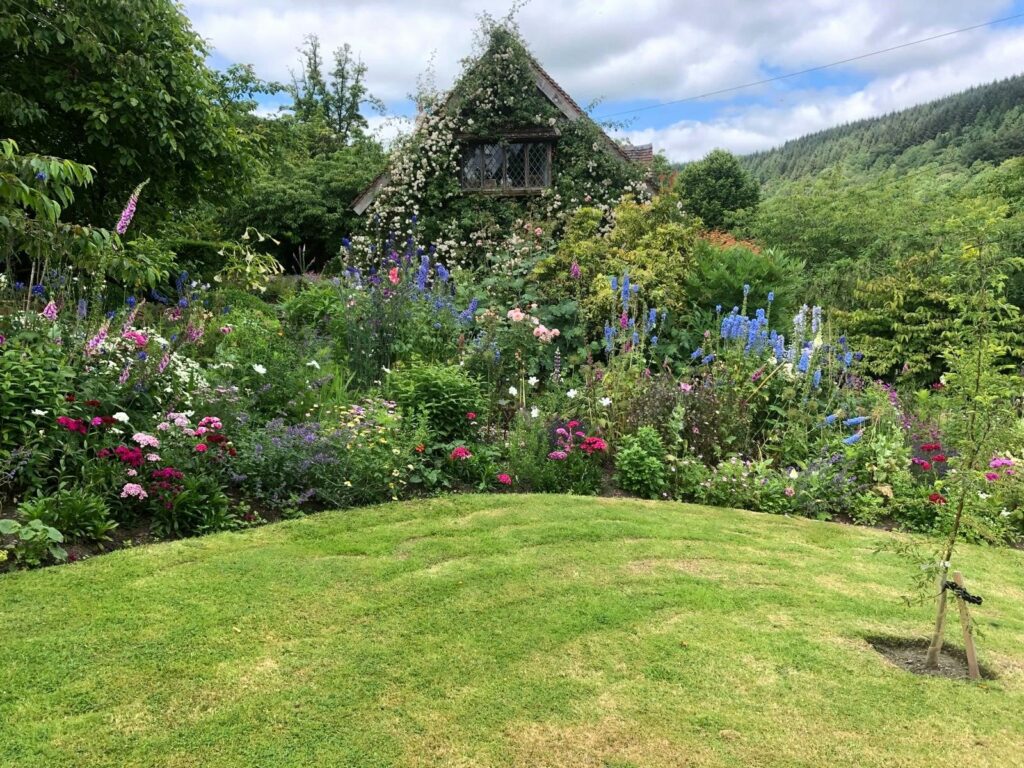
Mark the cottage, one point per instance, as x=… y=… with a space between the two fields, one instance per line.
x=506 y=142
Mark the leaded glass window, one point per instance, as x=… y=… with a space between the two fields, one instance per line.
x=522 y=165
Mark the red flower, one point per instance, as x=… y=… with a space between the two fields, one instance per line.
x=572 y=424
x=471 y=415
x=420 y=448
x=931 y=447
x=393 y=275
x=72 y=425
x=592 y=445
x=937 y=498
x=69 y=398
x=130 y=456
x=93 y=403
x=938 y=458
x=504 y=479
x=201 y=448
x=461 y=453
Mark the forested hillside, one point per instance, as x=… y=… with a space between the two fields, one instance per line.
x=985 y=123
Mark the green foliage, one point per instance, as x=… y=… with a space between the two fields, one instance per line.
x=305 y=199
x=640 y=464
x=652 y=242
x=441 y=394
x=719 y=274
x=142 y=265
x=246 y=267
x=717 y=186
x=125 y=86
x=201 y=506
x=79 y=513
x=35 y=190
x=33 y=543
x=33 y=381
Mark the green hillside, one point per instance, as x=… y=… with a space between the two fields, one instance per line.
x=984 y=123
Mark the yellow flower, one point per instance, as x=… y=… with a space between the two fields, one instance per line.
x=347 y=483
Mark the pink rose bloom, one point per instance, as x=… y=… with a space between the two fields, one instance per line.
x=201 y=448
x=516 y=315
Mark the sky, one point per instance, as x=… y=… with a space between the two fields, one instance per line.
x=629 y=58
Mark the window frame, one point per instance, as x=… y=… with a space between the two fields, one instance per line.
x=502 y=187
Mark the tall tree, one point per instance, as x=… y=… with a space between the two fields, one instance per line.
x=336 y=101
x=716 y=186
x=123 y=87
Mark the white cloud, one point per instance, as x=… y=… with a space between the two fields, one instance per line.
x=628 y=50
x=761 y=127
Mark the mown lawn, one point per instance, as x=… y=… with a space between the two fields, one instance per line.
x=500 y=630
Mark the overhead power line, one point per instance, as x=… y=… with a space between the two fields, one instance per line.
x=812 y=69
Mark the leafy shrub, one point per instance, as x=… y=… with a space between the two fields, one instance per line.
x=719 y=276
x=79 y=513
x=442 y=394
x=33 y=381
x=555 y=457
x=33 y=543
x=200 y=506
x=640 y=463
x=357 y=454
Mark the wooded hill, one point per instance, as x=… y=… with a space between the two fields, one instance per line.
x=984 y=123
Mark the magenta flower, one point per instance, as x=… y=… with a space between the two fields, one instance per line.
x=50 y=311
x=991 y=476
x=558 y=455
x=1000 y=461
x=504 y=479
x=574 y=270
